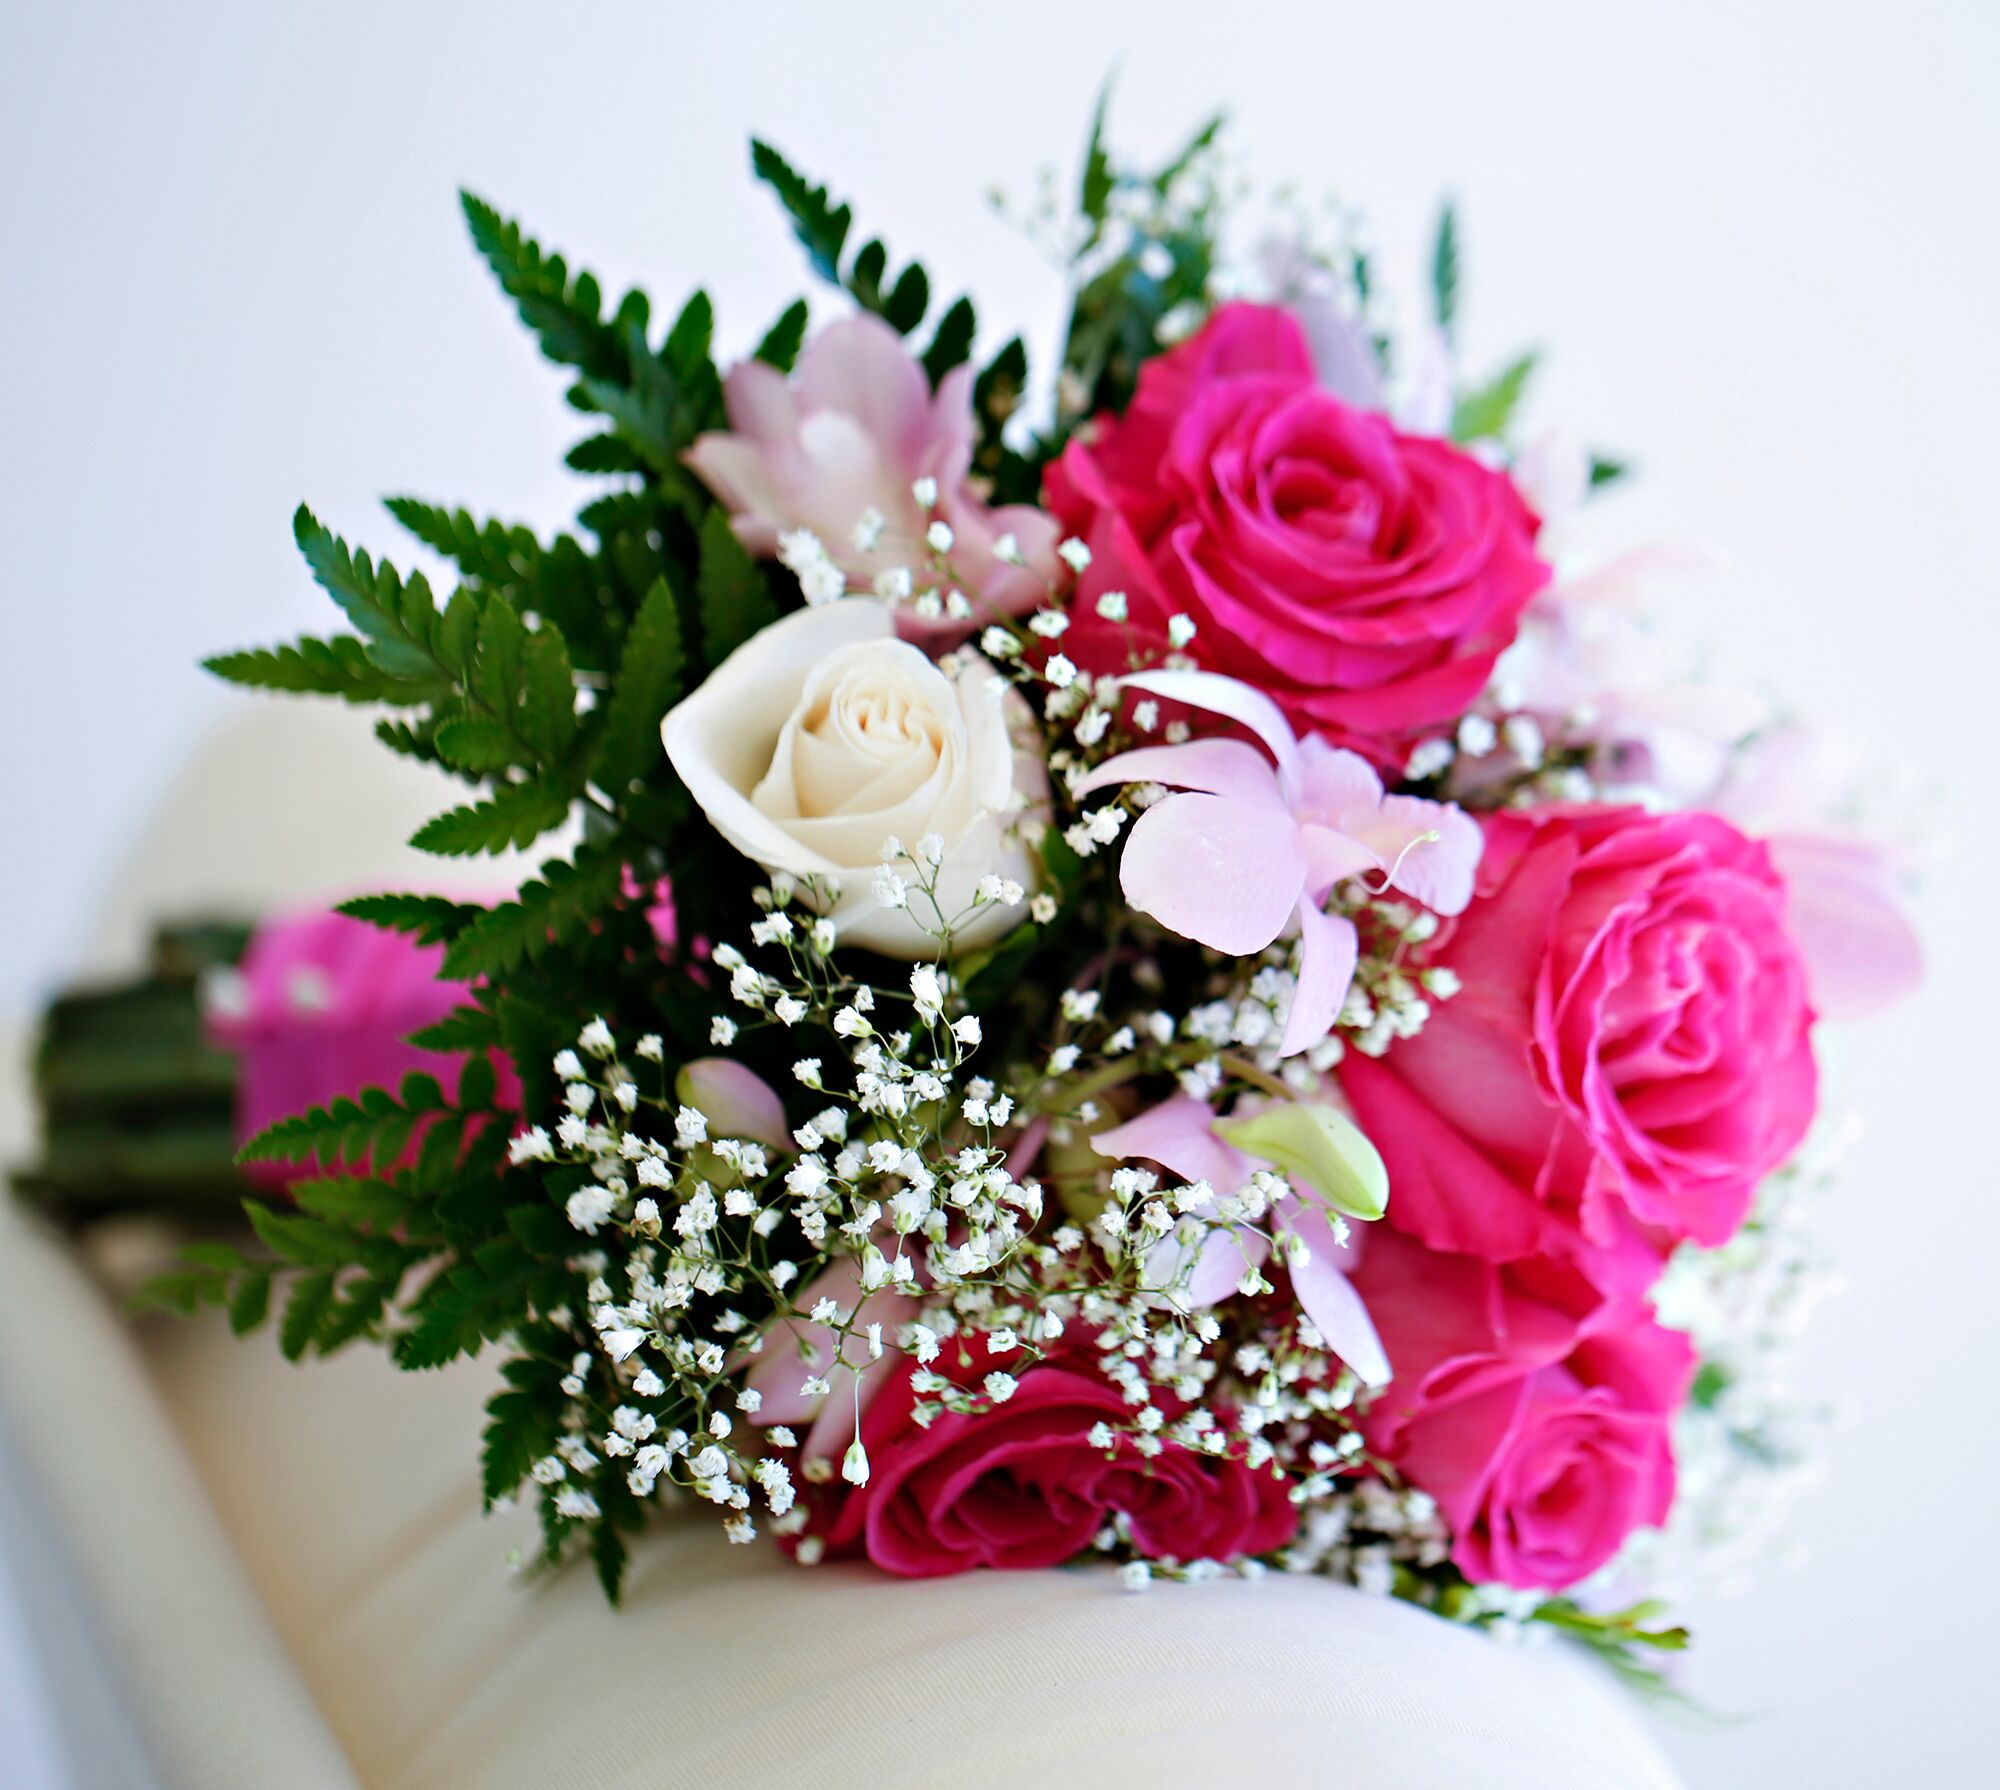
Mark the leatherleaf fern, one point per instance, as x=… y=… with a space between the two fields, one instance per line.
x=538 y=680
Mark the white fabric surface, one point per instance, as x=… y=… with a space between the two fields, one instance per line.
x=334 y=1611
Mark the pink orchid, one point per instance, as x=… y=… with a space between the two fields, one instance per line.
x=1179 y=1134
x=1252 y=845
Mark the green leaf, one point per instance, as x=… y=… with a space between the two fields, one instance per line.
x=822 y=227
x=553 y=909
x=520 y=1429
x=609 y=1554
x=514 y=817
x=952 y=345
x=492 y=552
x=609 y=452
x=734 y=597
x=250 y=1304
x=1204 y=138
x=1607 y=471
x=819 y=224
x=502 y=647
x=1099 y=181
x=649 y=679
x=782 y=341
x=565 y=314
x=305 y=1306
x=464 y=1028
x=1444 y=270
x=548 y=695
x=996 y=393
x=1321 y=1146
x=351 y=1200
x=395 y=616
x=1484 y=413
x=429 y=919
x=476 y=743
x=373 y=1126
x=336 y=667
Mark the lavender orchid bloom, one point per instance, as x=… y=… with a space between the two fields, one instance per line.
x=1250 y=846
x=1180 y=1135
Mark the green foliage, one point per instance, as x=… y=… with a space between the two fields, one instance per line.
x=1163 y=264
x=563 y=311
x=822 y=229
x=338 y=667
x=516 y=815
x=952 y=345
x=735 y=596
x=429 y=919
x=374 y=1128
x=1484 y=413
x=1444 y=270
x=649 y=680
x=783 y=340
x=547 y=912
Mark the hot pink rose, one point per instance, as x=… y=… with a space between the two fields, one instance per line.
x=1021 y=1486
x=1363 y=578
x=1631 y=1052
x=1537 y=1415
x=851 y=431
x=321 y=1008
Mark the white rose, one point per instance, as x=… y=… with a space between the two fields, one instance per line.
x=825 y=735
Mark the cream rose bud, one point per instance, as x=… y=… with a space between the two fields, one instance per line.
x=824 y=735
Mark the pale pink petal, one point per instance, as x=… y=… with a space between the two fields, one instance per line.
x=760 y=402
x=1327 y=950
x=1845 y=913
x=1436 y=871
x=1335 y=784
x=861 y=368
x=1328 y=1296
x=737 y=471
x=1235 y=701
x=1230 y=768
x=737 y=1101
x=1215 y=871
x=1332 y=857
x=1178 y=1134
x=1223 y=1259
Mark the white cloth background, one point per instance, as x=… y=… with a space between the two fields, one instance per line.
x=1751 y=232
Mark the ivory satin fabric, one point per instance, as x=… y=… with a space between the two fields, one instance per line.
x=289 y=1566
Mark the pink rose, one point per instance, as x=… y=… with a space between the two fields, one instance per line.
x=1364 y=579
x=1021 y=1486
x=851 y=431
x=321 y=1007
x=1537 y=1415
x=1630 y=1055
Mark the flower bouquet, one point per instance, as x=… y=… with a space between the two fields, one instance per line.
x=1136 y=967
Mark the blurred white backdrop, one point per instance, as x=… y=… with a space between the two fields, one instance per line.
x=1756 y=237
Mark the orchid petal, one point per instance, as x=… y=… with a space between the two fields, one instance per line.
x=1335 y=784
x=1236 y=701
x=736 y=1101
x=1332 y=857
x=1328 y=1296
x=1215 y=871
x=1431 y=849
x=1178 y=1134
x=1328 y=947
x=1230 y=768
x=1221 y=1261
